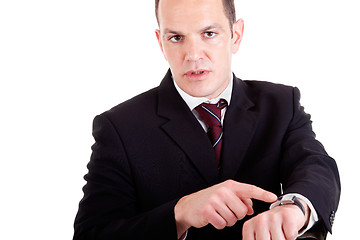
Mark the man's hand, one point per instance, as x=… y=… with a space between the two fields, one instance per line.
x=220 y=205
x=281 y=222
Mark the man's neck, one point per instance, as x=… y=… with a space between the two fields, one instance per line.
x=193 y=102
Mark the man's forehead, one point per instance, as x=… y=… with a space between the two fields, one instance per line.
x=191 y=14
x=177 y=8
x=189 y=2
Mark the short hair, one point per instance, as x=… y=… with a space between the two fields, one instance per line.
x=229 y=10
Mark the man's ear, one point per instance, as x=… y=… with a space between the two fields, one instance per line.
x=238 y=31
x=158 y=36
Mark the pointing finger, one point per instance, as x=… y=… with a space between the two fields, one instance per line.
x=251 y=191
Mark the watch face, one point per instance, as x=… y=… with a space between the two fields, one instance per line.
x=285 y=202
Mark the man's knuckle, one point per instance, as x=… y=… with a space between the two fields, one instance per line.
x=228 y=183
x=262 y=219
x=223 y=190
x=273 y=217
x=225 y=194
x=242 y=211
x=219 y=224
x=213 y=200
x=231 y=222
x=206 y=211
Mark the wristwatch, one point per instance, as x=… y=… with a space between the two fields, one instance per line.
x=288 y=200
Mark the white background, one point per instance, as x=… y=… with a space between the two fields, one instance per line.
x=63 y=62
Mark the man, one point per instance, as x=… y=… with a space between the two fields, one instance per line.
x=156 y=174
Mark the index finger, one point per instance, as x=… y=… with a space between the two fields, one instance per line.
x=244 y=190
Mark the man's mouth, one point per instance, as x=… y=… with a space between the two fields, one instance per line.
x=197 y=73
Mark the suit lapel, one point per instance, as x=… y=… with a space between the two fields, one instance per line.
x=185 y=130
x=239 y=126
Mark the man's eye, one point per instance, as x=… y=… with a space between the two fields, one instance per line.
x=176 y=38
x=209 y=34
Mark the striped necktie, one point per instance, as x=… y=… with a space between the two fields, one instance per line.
x=211 y=114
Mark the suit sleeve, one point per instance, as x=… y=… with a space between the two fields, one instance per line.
x=109 y=208
x=306 y=167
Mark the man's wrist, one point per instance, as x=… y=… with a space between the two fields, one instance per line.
x=306 y=213
x=310 y=212
x=180 y=226
x=313 y=216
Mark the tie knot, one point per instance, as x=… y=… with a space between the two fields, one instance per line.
x=211 y=113
x=221 y=103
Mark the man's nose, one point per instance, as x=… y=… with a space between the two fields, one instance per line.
x=193 y=50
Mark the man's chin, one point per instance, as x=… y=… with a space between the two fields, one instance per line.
x=204 y=92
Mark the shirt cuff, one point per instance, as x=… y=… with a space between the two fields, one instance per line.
x=313 y=218
x=183 y=237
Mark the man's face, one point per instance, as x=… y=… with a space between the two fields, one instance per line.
x=196 y=40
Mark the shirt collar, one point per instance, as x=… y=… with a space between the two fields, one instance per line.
x=193 y=102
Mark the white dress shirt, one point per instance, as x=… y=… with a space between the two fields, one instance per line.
x=193 y=102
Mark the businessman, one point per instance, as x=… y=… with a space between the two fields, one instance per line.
x=206 y=155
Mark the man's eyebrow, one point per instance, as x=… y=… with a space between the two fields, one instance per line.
x=169 y=31
x=211 y=27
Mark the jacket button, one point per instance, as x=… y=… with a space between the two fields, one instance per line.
x=332 y=217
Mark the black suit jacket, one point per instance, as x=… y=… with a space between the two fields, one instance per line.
x=150 y=151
